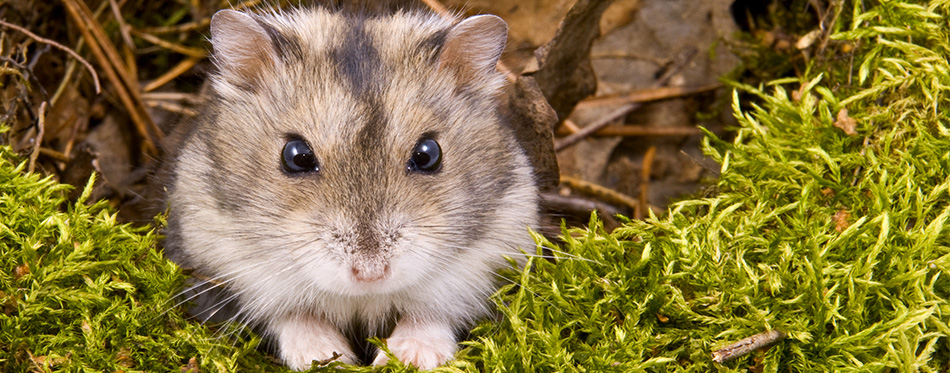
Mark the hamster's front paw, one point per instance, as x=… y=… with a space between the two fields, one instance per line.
x=303 y=339
x=424 y=345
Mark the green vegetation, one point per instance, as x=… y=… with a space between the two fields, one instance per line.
x=80 y=292
x=838 y=238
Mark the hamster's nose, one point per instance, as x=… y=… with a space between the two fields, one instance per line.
x=369 y=273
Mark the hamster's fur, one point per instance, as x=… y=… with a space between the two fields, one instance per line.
x=363 y=239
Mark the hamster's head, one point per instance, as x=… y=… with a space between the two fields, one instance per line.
x=355 y=155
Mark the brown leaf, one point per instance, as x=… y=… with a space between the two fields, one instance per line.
x=38 y=360
x=809 y=39
x=846 y=123
x=841 y=219
x=191 y=367
x=566 y=75
x=21 y=270
x=9 y=303
x=124 y=357
x=618 y=14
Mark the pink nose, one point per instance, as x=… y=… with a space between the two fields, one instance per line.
x=369 y=273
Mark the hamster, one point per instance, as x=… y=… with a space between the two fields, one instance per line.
x=351 y=169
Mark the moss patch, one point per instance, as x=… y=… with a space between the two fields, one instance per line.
x=837 y=237
x=80 y=292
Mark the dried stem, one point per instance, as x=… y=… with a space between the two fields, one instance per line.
x=175 y=72
x=38 y=140
x=632 y=130
x=108 y=58
x=599 y=191
x=645 y=172
x=92 y=71
x=178 y=48
x=568 y=141
x=747 y=345
x=647 y=95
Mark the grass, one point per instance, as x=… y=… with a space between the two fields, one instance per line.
x=838 y=239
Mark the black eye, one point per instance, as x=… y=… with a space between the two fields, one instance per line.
x=298 y=157
x=426 y=156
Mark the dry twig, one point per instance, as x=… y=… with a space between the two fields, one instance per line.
x=576 y=205
x=747 y=345
x=92 y=71
x=623 y=110
x=175 y=72
x=108 y=58
x=38 y=140
x=645 y=171
x=647 y=95
x=178 y=48
x=184 y=27
x=599 y=191
x=632 y=130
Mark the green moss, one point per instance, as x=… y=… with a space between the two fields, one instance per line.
x=80 y=292
x=767 y=252
x=840 y=240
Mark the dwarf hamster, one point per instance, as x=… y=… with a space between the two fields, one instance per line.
x=351 y=169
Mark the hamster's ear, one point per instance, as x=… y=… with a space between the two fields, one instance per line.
x=242 y=47
x=473 y=47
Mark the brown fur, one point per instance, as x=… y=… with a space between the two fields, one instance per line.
x=361 y=91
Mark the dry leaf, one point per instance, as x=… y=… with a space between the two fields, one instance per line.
x=566 y=75
x=846 y=123
x=842 y=222
x=124 y=357
x=191 y=367
x=618 y=14
x=21 y=270
x=809 y=39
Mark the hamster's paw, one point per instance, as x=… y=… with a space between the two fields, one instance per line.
x=424 y=345
x=301 y=340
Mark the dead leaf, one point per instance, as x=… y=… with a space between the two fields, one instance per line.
x=842 y=220
x=566 y=75
x=124 y=357
x=191 y=367
x=21 y=270
x=618 y=14
x=846 y=123
x=38 y=360
x=809 y=39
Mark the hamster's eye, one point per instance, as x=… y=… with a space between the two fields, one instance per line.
x=298 y=157
x=426 y=157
